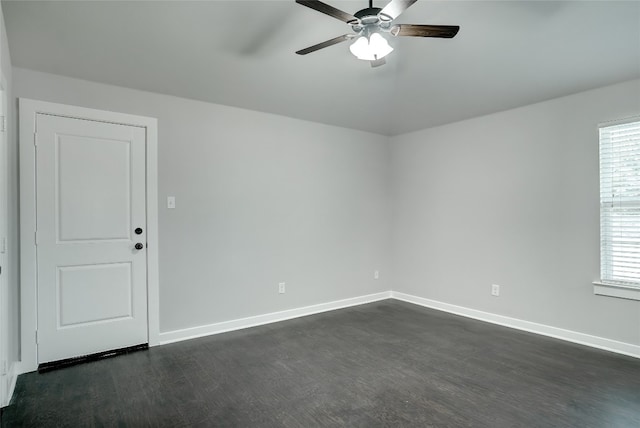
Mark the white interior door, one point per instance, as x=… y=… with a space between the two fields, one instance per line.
x=90 y=204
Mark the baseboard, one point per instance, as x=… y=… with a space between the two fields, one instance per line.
x=12 y=377
x=12 y=382
x=545 y=330
x=242 y=323
x=238 y=324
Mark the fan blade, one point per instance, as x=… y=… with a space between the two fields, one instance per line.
x=378 y=62
x=395 y=8
x=322 y=45
x=328 y=10
x=444 y=31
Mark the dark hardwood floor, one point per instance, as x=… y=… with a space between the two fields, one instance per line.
x=382 y=364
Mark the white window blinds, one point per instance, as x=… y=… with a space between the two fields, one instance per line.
x=620 y=204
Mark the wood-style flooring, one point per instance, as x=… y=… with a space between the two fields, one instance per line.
x=387 y=364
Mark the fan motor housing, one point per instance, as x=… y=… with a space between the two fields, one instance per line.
x=368 y=16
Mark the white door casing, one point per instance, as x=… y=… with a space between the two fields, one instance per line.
x=5 y=375
x=90 y=189
x=75 y=242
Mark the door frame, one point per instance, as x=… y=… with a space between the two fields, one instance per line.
x=28 y=109
x=5 y=366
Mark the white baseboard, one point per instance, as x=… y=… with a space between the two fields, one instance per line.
x=242 y=323
x=238 y=324
x=11 y=379
x=532 y=327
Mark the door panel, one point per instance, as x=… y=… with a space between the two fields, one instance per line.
x=110 y=284
x=92 y=294
x=83 y=213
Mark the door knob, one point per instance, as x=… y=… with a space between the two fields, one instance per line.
x=138 y=230
x=139 y=246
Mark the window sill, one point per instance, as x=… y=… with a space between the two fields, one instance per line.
x=619 y=291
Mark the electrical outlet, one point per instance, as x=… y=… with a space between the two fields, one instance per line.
x=495 y=290
x=376 y=274
x=281 y=288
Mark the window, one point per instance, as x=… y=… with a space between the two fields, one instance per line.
x=620 y=205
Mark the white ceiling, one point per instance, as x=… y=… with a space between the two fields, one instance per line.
x=241 y=53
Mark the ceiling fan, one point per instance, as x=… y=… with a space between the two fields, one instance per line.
x=368 y=25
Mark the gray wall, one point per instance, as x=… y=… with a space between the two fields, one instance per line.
x=260 y=199
x=11 y=269
x=511 y=199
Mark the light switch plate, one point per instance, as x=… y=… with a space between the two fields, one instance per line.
x=171 y=201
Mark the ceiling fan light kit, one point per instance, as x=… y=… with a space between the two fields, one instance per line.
x=371 y=48
x=368 y=25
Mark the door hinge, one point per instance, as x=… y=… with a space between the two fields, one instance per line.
x=3 y=123
x=3 y=244
x=5 y=368
x=35 y=139
x=35 y=235
x=36 y=337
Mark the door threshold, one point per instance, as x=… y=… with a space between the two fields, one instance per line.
x=68 y=362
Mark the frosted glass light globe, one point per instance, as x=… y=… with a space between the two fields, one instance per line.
x=375 y=47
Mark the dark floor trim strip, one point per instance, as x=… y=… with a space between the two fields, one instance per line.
x=60 y=364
